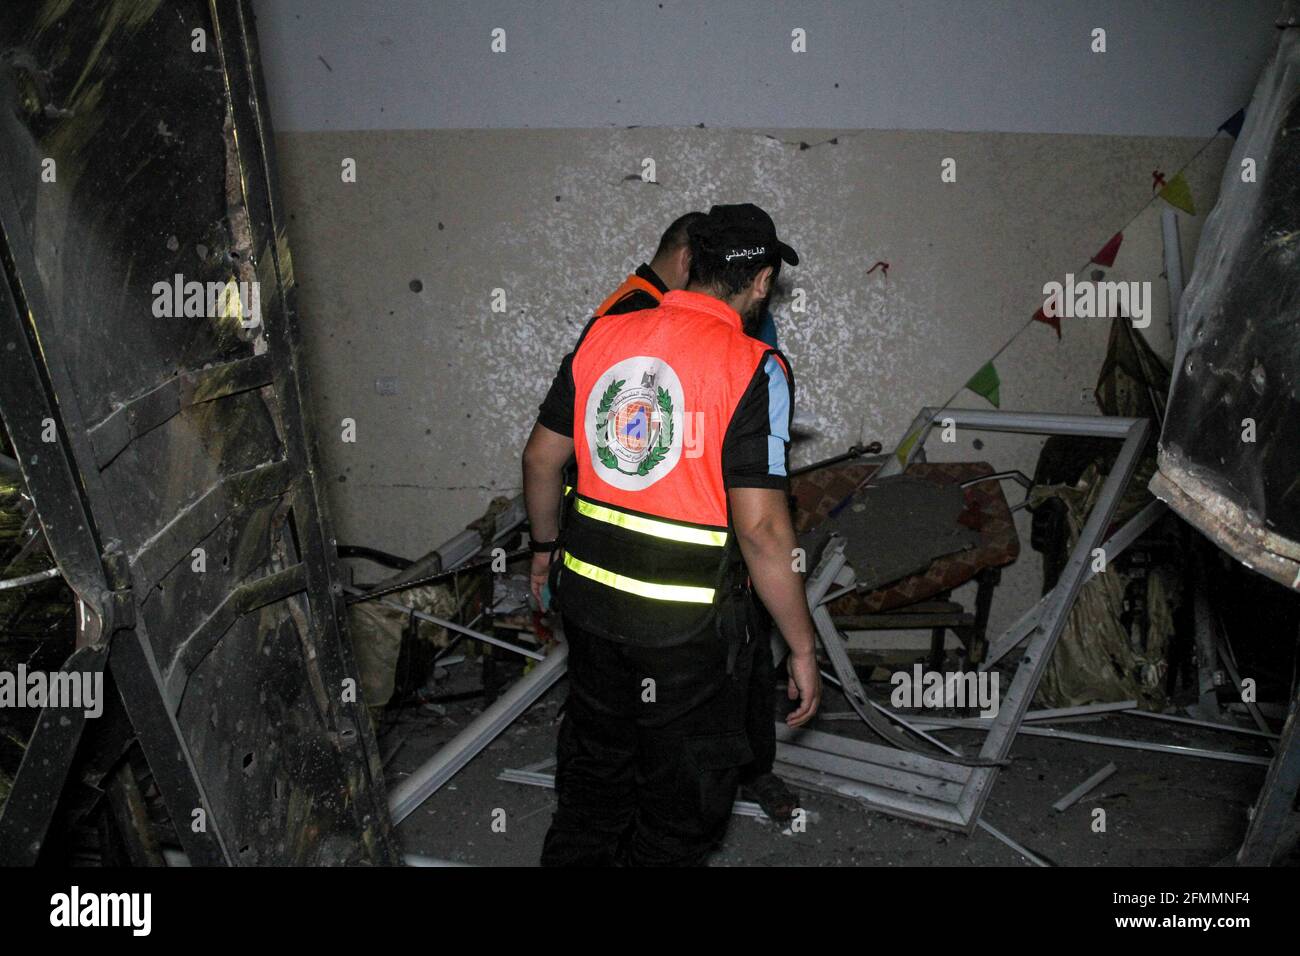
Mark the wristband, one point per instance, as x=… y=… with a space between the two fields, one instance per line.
x=543 y=547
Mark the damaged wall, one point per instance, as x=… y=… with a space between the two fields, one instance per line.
x=457 y=214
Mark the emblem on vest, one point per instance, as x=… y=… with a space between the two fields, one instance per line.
x=634 y=426
x=633 y=416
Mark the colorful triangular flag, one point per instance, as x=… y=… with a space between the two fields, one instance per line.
x=905 y=446
x=1232 y=125
x=985 y=383
x=1054 y=321
x=1106 y=255
x=1178 y=194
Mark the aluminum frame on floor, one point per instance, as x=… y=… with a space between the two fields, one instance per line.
x=931 y=787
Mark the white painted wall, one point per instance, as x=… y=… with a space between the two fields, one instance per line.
x=1172 y=67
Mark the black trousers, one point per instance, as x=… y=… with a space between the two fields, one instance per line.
x=760 y=719
x=650 y=752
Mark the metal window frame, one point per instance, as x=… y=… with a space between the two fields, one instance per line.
x=907 y=788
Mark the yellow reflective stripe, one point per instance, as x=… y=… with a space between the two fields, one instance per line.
x=621 y=582
x=659 y=529
x=567 y=489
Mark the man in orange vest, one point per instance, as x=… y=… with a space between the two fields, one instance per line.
x=680 y=427
x=645 y=289
x=667 y=270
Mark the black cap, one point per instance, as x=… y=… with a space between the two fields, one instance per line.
x=743 y=231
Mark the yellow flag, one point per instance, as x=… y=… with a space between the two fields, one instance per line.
x=1178 y=194
x=905 y=446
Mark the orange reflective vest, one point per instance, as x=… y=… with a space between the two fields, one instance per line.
x=648 y=549
x=632 y=284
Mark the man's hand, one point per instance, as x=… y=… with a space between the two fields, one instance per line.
x=805 y=687
x=537 y=575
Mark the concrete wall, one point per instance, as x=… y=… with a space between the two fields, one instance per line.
x=1171 y=67
x=556 y=217
x=549 y=217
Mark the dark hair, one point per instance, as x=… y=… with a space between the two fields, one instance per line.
x=710 y=269
x=676 y=235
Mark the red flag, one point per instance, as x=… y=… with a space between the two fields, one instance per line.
x=1106 y=257
x=1054 y=321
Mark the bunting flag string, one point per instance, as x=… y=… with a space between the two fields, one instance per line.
x=986 y=382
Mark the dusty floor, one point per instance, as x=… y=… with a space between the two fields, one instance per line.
x=1161 y=810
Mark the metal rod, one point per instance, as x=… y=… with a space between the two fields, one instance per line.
x=837 y=594
x=855 y=451
x=1032 y=857
x=420 y=785
x=975 y=724
x=1034 y=423
x=458 y=628
x=174 y=857
x=1144 y=745
x=1209 y=724
x=1173 y=267
x=1075 y=795
x=27 y=579
x=897 y=718
x=1055 y=713
x=418 y=859
x=916 y=728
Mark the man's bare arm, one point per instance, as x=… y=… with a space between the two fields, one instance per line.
x=544 y=458
x=761 y=519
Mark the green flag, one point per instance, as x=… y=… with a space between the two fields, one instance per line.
x=985 y=383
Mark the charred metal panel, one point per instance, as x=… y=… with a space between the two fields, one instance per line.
x=135 y=155
x=1230 y=449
